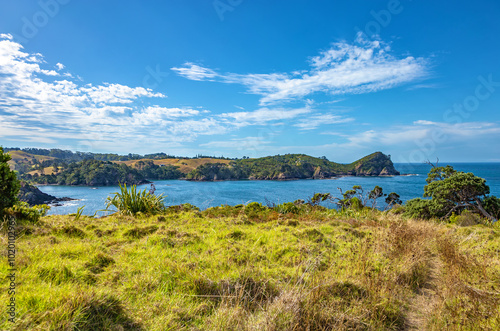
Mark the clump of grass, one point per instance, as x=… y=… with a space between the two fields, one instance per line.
x=139 y=232
x=72 y=231
x=245 y=291
x=132 y=202
x=96 y=311
x=99 y=262
x=56 y=275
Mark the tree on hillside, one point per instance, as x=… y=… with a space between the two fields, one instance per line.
x=453 y=191
x=9 y=185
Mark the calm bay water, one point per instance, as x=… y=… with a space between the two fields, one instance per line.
x=209 y=194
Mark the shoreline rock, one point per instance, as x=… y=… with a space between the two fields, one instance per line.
x=33 y=196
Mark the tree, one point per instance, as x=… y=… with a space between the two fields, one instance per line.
x=453 y=191
x=357 y=199
x=374 y=194
x=9 y=185
x=393 y=199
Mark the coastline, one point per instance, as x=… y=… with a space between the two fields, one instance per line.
x=151 y=181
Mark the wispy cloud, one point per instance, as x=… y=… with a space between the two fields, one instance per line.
x=420 y=131
x=238 y=143
x=315 y=121
x=361 y=67
x=264 y=115
x=195 y=72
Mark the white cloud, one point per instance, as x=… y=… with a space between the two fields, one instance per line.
x=6 y=36
x=247 y=143
x=36 y=107
x=264 y=115
x=361 y=67
x=420 y=131
x=424 y=122
x=314 y=121
x=195 y=72
x=60 y=66
x=117 y=93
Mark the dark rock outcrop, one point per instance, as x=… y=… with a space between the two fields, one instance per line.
x=33 y=196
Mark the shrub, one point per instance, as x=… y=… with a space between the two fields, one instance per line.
x=396 y=209
x=254 y=206
x=131 y=201
x=418 y=208
x=287 y=207
x=466 y=218
x=256 y=211
x=26 y=214
x=9 y=185
x=492 y=206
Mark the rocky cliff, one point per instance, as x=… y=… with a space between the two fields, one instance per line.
x=33 y=196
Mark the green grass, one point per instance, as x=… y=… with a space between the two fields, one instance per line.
x=252 y=268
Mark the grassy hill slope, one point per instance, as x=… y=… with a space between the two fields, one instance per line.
x=185 y=165
x=242 y=268
x=24 y=161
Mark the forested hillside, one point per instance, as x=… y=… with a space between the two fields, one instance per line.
x=68 y=168
x=293 y=166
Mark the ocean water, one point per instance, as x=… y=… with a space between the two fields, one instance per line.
x=209 y=194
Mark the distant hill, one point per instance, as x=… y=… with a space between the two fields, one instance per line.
x=184 y=165
x=137 y=169
x=25 y=162
x=293 y=166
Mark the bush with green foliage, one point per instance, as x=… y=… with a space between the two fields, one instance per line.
x=466 y=218
x=452 y=191
x=287 y=207
x=23 y=213
x=419 y=208
x=492 y=206
x=132 y=201
x=9 y=185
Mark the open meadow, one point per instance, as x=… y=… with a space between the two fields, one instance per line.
x=254 y=268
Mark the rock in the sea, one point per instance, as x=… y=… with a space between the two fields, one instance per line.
x=33 y=196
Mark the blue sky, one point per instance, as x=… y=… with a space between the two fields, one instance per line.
x=414 y=79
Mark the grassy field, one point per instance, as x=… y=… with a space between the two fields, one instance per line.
x=20 y=157
x=240 y=269
x=185 y=165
